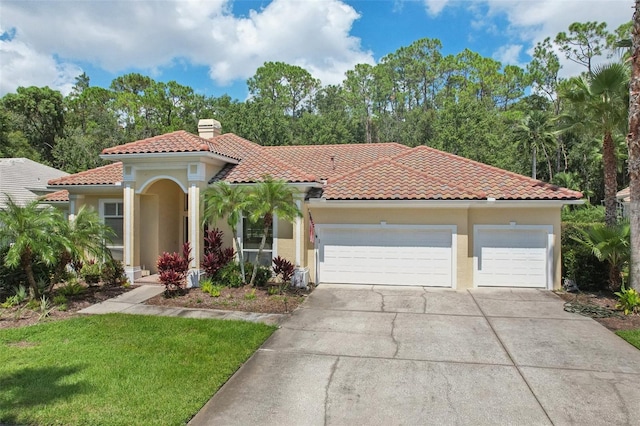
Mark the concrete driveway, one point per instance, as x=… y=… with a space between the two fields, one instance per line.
x=355 y=355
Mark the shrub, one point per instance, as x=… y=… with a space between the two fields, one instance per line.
x=250 y=295
x=13 y=277
x=578 y=262
x=628 y=300
x=91 y=272
x=60 y=300
x=283 y=268
x=173 y=268
x=113 y=272
x=230 y=275
x=263 y=275
x=71 y=288
x=215 y=257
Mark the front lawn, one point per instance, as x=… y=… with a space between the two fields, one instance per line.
x=119 y=369
x=631 y=336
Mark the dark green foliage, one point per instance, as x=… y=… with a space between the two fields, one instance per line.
x=263 y=275
x=113 y=272
x=578 y=261
x=91 y=272
x=230 y=276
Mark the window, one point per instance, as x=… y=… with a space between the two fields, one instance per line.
x=251 y=238
x=112 y=212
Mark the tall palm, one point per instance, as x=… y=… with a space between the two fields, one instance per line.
x=633 y=144
x=267 y=198
x=32 y=232
x=223 y=200
x=536 y=134
x=610 y=244
x=601 y=102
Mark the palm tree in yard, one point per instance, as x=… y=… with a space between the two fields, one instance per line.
x=633 y=143
x=267 y=198
x=535 y=133
x=600 y=102
x=610 y=244
x=33 y=233
x=223 y=200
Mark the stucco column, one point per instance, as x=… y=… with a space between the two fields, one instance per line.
x=194 y=225
x=131 y=236
x=299 y=235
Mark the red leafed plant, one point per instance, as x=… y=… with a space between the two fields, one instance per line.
x=215 y=257
x=173 y=268
x=283 y=268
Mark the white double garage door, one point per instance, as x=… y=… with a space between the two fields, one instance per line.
x=425 y=255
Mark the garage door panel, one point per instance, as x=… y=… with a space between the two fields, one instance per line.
x=511 y=258
x=386 y=256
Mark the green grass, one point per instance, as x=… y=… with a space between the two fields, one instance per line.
x=631 y=336
x=119 y=369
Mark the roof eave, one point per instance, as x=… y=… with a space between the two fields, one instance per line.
x=179 y=155
x=486 y=203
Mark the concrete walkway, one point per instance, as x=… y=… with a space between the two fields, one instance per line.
x=373 y=355
x=132 y=302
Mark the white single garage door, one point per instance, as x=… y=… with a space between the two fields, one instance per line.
x=508 y=256
x=391 y=254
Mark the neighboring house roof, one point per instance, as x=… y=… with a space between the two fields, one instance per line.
x=110 y=174
x=61 y=196
x=179 y=141
x=24 y=180
x=379 y=171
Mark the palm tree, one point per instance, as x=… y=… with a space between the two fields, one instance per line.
x=601 y=102
x=32 y=232
x=267 y=198
x=610 y=244
x=223 y=200
x=536 y=134
x=88 y=237
x=633 y=144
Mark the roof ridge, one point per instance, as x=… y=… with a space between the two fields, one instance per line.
x=83 y=173
x=566 y=191
x=338 y=145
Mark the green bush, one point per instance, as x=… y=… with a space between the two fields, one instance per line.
x=113 y=272
x=91 y=272
x=229 y=275
x=70 y=289
x=628 y=300
x=14 y=277
x=578 y=262
x=263 y=275
x=583 y=214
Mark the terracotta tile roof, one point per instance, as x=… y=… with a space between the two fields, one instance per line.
x=389 y=180
x=481 y=178
x=105 y=175
x=327 y=161
x=256 y=162
x=61 y=196
x=179 y=141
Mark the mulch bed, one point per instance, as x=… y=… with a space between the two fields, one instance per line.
x=236 y=299
x=19 y=316
x=603 y=301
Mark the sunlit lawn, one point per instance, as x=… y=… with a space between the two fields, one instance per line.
x=119 y=369
x=631 y=336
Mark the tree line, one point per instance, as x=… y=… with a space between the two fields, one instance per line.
x=524 y=119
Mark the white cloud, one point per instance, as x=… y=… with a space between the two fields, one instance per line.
x=148 y=35
x=509 y=54
x=434 y=7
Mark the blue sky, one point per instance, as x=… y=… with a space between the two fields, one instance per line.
x=215 y=45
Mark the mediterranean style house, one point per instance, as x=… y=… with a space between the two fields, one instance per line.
x=380 y=213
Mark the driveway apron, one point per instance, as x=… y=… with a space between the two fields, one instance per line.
x=361 y=355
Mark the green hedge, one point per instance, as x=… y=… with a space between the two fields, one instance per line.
x=578 y=263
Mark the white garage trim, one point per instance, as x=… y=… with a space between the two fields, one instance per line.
x=547 y=230
x=323 y=229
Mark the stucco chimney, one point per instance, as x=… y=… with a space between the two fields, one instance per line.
x=209 y=128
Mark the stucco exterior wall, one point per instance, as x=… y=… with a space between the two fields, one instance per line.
x=463 y=218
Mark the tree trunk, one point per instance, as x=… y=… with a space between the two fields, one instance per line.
x=236 y=239
x=260 y=249
x=610 y=179
x=28 y=270
x=534 y=163
x=633 y=143
x=614 y=277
